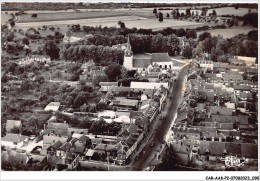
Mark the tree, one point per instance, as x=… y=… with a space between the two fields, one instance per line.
x=251 y=19
x=188 y=13
x=39 y=79
x=99 y=78
x=191 y=34
x=187 y=52
x=204 y=35
x=154 y=11
x=26 y=85
x=34 y=15
x=160 y=17
x=25 y=41
x=113 y=71
x=214 y=13
x=12 y=23
x=50 y=48
x=204 y=11
x=121 y=24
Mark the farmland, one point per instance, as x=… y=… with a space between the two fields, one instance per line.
x=5 y=18
x=229 y=33
x=68 y=16
x=130 y=22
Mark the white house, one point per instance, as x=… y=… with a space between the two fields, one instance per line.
x=14 y=140
x=206 y=64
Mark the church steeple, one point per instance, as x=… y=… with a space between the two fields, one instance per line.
x=128 y=51
x=128 y=57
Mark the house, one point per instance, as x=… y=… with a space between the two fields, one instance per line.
x=54 y=132
x=105 y=86
x=206 y=64
x=12 y=124
x=14 y=158
x=67 y=162
x=219 y=110
x=14 y=140
x=35 y=58
x=52 y=106
x=124 y=104
x=87 y=66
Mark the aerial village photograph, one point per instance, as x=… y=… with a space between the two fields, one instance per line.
x=88 y=86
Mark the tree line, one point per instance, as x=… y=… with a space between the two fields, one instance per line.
x=97 y=47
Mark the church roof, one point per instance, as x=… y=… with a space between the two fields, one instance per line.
x=141 y=62
x=161 y=57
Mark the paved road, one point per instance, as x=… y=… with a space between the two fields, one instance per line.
x=158 y=136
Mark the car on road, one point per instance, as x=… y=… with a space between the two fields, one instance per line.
x=152 y=144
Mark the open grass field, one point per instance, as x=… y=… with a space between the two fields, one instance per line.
x=130 y=22
x=5 y=18
x=68 y=16
x=229 y=33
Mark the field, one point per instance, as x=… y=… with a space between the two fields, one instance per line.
x=5 y=18
x=229 y=33
x=130 y=22
x=68 y=16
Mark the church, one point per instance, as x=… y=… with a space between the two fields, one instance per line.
x=146 y=63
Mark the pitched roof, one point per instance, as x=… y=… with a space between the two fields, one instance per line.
x=220 y=110
x=79 y=149
x=227 y=126
x=66 y=146
x=105 y=147
x=233 y=148
x=57 y=128
x=56 y=145
x=214 y=148
x=242 y=87
x=160 y=57
x=135 y=114
x=83 y=139
x=15 y=138
x=53 y=106
x=249 y=150
x=108 y=83
x=90 y=152
x=141 y=62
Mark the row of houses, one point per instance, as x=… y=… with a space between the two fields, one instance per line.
x=211 y=126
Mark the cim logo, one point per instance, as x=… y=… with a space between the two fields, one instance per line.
x=232 y=161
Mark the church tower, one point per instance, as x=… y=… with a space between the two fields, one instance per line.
x=128 y=56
